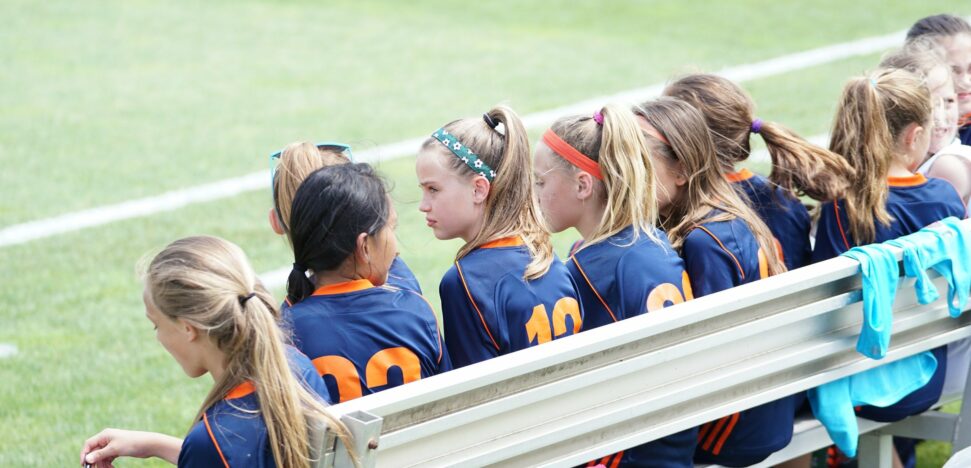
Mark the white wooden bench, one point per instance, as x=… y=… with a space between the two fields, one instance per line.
x=604 y=390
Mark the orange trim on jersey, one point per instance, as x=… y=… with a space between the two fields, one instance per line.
x=964 y=120
x=763 y=265
x=241 y=390
x=511 y=241
x=907 y=181
x=616 y=463
x=724 y=436
x=219 y=450
x=739 y=176
x=575 y=262
x=839 y=224
x=469 y=293
x=714 y=432
x=702 y=431
x=344 y=287
x=730 y=254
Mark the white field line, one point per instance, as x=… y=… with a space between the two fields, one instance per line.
x=7 y=350
x=25 y=232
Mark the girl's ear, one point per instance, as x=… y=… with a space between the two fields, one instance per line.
x=910 y=136
x=480 y=189
x=275 y=222
x=362 y=250
x=190 y=332
x=584 y=184
x=680 y=179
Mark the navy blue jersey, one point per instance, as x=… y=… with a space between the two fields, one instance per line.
x=363 y=339
x=965 y=134
x=231 y=432
x=401 y=276
x=781 y=211
x=913 y=203
x=490 y=310
x=718 y=256
x=618 y=278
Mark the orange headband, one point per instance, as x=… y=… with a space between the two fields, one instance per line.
x=578 y=159
x=647 y=127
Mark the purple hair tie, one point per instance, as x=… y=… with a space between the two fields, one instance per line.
x=757 y=125
x=599 y=118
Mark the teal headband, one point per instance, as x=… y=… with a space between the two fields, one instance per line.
x=464 y=153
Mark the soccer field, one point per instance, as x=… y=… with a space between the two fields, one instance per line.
x=104 y=102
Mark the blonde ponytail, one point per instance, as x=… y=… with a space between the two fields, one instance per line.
x=208 y=282
x=511 y=208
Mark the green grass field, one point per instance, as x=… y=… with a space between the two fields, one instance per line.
x=103 y=102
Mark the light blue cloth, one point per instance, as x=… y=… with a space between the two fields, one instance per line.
x=878 y=267
x=946 y=249
x=833 y=403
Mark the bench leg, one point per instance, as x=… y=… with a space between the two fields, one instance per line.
x=875 y=451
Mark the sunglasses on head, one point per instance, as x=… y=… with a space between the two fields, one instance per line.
x=323 y=146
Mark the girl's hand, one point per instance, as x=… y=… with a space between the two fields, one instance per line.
x=109 y=444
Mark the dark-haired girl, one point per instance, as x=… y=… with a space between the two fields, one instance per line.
x=362 y=337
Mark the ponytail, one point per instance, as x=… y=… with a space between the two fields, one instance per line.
x=683 y=138
x=297 y=161
x=208 y=283
x=798 y=166
x=613 y=139
x=511 y=209
x=873 y=111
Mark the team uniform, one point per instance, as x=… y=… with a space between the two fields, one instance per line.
x=619 y=278
x=363 y=339
x=784 y=214
x=490 y=310
x=718 y=256
x=232 y=433
x=965 y=134
x=399 y=275
x=913 y=203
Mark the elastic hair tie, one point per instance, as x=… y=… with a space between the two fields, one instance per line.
x=757 y=125
x=464 y=153
x=492 y=123
x=599 y=118
x=571 y=154
x=873 y=83
x=243 y=299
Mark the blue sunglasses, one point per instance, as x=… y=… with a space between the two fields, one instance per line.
x=324 y=146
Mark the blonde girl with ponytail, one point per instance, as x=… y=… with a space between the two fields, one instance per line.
x=724 y=244
x=594 y=174
x=798 y=166
x=883 y=128
x=212 y=314
x=506 y=290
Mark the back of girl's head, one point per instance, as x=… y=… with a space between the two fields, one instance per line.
x=331 y=208
x=684 y=139
x=511 y=209
x=942 y=25
x=619 y=149
x=297 y=161
x=797 y=165
x=872 y=114
x=208 y=283
x=919 y=56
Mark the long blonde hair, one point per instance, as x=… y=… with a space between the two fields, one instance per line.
x=297 y=161
x=689 y=143
x=873 y=112
x=619 y=149
x=203 y=281
x=798 y=166
x=511 y=209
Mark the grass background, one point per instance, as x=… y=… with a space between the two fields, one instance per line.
x=106 y=101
